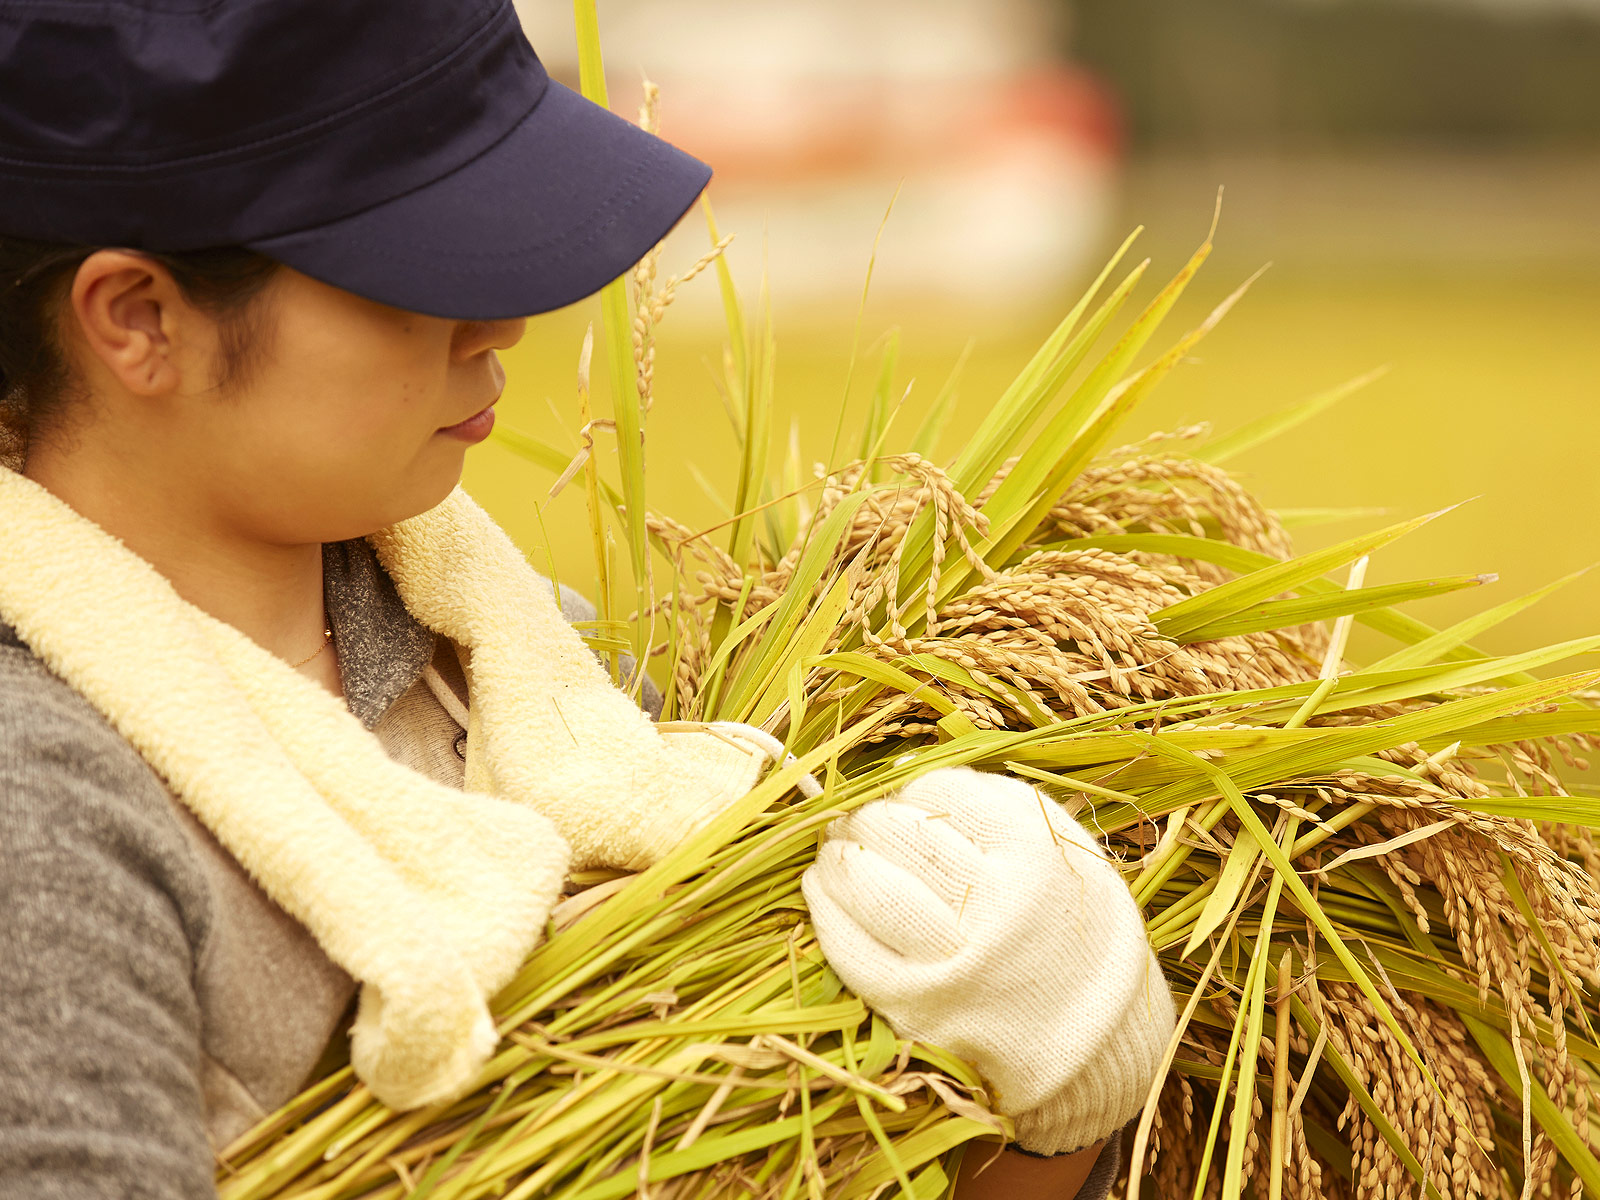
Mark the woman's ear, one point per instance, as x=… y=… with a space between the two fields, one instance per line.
x=127 y=314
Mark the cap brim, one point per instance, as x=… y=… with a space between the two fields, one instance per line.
x=567 y=201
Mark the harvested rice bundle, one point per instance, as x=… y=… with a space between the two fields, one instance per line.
x=1378 y=912
x=1218 y=745
x=1375 y=907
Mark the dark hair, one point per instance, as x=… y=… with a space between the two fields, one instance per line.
x=36 y=378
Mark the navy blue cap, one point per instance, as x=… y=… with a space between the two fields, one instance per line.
x=411 y=151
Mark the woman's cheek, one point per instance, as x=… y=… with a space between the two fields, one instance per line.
x=308 y=446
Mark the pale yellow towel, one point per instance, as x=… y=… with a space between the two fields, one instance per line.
x=430 y=897
x=546 y=725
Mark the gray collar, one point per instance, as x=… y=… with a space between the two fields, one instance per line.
x=382 y=647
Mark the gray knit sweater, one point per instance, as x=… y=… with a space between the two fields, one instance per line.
x=153 y=1002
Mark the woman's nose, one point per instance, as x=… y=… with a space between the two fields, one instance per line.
x=475 y=337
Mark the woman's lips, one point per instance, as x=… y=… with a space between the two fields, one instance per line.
x=474 y=429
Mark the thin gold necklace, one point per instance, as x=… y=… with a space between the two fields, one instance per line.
x=327 y=640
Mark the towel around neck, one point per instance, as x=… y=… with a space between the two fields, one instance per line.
x=430 y=897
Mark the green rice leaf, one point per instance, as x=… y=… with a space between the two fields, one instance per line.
x=1085 y=422
x=628 y=405
x=775 y=656
x=1255 y=1012
x=1320 y=754
x=1527 y=727
x=732 y=640
x=887 y=674
x=1225 y=600
x=885 y=1146
x=1583 y=811
x=805 y=645
x=1264 y=429
x=1236 y=558
x=1018 y=407
x=733 y=315
x=707 y=1152
x=1450 y=641
x=915 y=1149
x=1225 y=893
x=1004 y=431
x=882 y=1049
x=1466 y=674
x=1519 y=897
x=1306 y=902
x=758 y=394
x=1280 y=614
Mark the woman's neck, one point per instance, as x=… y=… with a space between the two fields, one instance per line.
x=272 y=593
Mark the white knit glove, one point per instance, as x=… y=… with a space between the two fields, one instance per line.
x=975 y=915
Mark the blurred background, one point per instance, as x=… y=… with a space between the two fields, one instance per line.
x=1423 y=177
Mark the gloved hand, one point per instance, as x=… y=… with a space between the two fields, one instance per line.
x=974 y=914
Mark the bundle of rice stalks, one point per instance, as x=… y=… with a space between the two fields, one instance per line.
x=1376 y=907
x=1374 y=902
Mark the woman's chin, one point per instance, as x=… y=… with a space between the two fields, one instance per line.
x=439 y=486
x=417 y=495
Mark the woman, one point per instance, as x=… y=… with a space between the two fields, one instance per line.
x=282 y=714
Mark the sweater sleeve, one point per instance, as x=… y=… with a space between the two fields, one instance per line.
x=104 y=908
x=576 y=607
x=1106 y=1167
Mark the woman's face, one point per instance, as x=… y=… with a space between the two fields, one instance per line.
x=356 y=415
x=362 y=413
